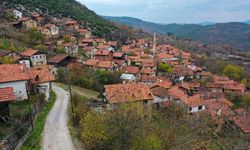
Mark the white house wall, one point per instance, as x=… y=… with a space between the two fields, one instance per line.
x=19 y=88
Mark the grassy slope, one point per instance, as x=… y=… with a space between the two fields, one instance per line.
x=81 y=91
x=33 y=141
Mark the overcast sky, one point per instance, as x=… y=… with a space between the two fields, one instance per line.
x=174 y=11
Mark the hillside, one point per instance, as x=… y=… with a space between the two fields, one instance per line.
x=233 y=33
x=72 y=9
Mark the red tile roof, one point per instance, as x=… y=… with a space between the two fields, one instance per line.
x=89 y=48
x=87 y=40
x=129 y=92
x=91 y=62
x=112 y=43
x=29 y=52
x=7 y=94
x=13 y=72
x=49 y=26
x=160 y=92
x=131 y=69
x=83 y=31
x=164 y=83
x=118 y=54
x=40 y=75
x=214 y=105
x=102 y=52
x=99 y=63
x=148 y=71
x=242 y=120
x=145 y=78
x=58 y=58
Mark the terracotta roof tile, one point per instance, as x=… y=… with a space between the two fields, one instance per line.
x=29 y=52
x=13 y=72
x=128 y=92
x=118 y=54
x=131 y=69
x=40 y=75
x=7 y=94
x=102 y=52
x=160 y=92
x=58 y=58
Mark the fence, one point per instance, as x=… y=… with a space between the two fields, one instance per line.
x=18 y=136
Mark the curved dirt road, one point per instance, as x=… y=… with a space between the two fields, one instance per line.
x=56 y=134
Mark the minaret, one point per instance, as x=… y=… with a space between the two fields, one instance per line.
x=154 y=45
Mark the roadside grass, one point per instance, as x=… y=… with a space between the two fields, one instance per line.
x=74 y=128
x=81 y=91
x=33 y=142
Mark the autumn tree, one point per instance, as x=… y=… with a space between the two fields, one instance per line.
x=164 y=67
x=233 y=72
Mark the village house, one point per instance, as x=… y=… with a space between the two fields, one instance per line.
x=102 y=65
x=33 y=56
x=88 y=41
x=71 y=49
x=17 y=14
x=41 y=20
x=148 y=80
x=14 y=56
x=85 y=33
x=193 y=103
x=41 y=78
x=15 y=76
x=132 y=70
x=128 y=92
x=72 y=24
x=182 y=72
x=118 y=56
x=7 y=96
x=27 y=23
x=218 y=108
x=241 y=119
x=162 y=82
x=90 y=51
x=61 y=60
x=100 y=41
x=50 y=30
x=127 y=78
x=112 y=44
x=160 y=94
x=104 y=55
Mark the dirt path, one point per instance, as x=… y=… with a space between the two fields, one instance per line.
x=56 y=133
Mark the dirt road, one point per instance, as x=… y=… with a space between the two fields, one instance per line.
x=56 y=134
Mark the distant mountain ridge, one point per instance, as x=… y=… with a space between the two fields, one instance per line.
x=234 y=33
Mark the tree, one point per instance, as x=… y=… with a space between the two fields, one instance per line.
x=246 y=101
x=233 y=72
x=165 y=68
x=94 y=131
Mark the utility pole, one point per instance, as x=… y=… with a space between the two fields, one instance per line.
x=70 y=93
x=28 y=100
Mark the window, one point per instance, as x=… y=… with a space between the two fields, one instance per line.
x=36 y=57
x=200 y=108
x=145 y=102
x=190 y=108
x=41 y=56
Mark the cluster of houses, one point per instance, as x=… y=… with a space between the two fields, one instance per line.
x=138 y=59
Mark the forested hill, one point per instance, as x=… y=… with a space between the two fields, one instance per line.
x=233 y=33
x=72 y=9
